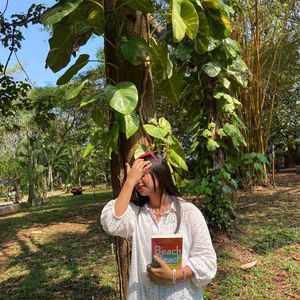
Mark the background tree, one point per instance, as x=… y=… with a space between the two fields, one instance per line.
x=13 y=94
x=269 y=35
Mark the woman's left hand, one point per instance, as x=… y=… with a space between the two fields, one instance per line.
x=160 y=274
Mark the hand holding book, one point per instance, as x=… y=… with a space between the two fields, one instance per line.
x=160 y=274
x=164 y=274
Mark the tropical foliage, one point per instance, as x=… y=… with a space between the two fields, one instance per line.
x=209 y=84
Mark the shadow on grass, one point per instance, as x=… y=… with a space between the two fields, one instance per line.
x=272 y=241
x=67 y=267
x=69 y=260
x=277 y=207
x=270 y=217
x=56 y=209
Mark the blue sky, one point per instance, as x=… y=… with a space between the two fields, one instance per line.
x=35 y=47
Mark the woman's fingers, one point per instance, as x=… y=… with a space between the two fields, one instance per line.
x=147 y=165
x=160 y=262
x=160 y=274
x=141 y=165
x=128 y=168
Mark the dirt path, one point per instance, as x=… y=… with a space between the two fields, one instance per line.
x=24 y=198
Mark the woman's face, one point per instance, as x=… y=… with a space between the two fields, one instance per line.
x=146 y=185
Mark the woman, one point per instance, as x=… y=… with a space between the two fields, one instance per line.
x=157 y=209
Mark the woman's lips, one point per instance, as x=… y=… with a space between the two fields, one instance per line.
x=141 y=189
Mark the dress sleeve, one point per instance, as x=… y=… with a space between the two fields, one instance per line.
x=122 y=226
x=202 y=257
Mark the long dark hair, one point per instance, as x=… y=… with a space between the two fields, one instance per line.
x=160 y=173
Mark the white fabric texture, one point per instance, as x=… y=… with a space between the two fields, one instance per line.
x=140 y=224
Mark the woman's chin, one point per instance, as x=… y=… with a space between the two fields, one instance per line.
x=142 y=192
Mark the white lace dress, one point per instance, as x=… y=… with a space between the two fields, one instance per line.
x=140 y=224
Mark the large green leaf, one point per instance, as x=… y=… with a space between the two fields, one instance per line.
x=176 y=160
x=156 y=132
x=140 y=5
x=169 y=68
x=88 y=149
x=73 y=31
x=212 y=145
x=228 y=107
x=163 y=123
x=172 y=87
x=184 y=20
x=178 y=25
x=213 y=44
x=235 y=134
x=82 y=60
x=230 y=47
x=175 y=146
x=61 y=47
x=212 y=69
x=225 y=82
x=190 y=18
x=207 y=133
x=59 y=11
x=131 y=124
x=183 y=51
x=91 y=99
x=110 y=139
x=162 y=65
x=74 y=90
x=122 y=97
x=92 y=144
x=227 y=97
x=136 y=50
x=237 y=76
x=258 y=167
x=201 y=44
x=239 y=65
x=97 y=116
x=140 y=150
x=262 y=158
x=211 y=4
x=202 y=41
x=218 y=18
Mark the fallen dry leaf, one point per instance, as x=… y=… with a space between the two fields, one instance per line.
x=248 y=265
x=296 y=258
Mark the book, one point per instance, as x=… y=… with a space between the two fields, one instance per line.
x=168 y=248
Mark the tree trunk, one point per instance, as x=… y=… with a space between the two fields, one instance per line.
x=32 y=177
x=117 y=70
x=50 y=178
x=31 y=192
x=17 y=188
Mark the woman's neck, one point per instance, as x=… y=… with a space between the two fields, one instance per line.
x=157 y=202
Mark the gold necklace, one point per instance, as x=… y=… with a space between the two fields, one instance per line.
x=156 y=211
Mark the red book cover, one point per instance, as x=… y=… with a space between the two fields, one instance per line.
x=168 y=248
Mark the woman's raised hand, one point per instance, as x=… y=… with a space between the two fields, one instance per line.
x=137 y=170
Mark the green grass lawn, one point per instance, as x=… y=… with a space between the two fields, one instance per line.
x=58 y=250
x=267 y=231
